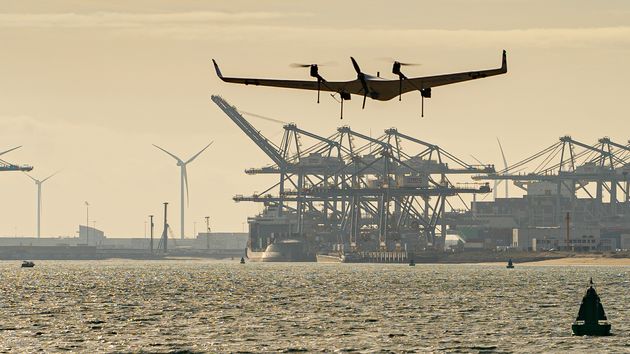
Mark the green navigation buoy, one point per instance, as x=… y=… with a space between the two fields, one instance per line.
x=510 y=265
x=591 y=319
x=242 y=260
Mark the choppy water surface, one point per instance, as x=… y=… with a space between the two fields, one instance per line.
x=200 y=306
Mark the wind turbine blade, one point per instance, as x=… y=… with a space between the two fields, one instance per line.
x=4 y=152
x=199 y=153
x=502 y=154
x=173 y=156
x=505 y=165
x=31 y=177
x=186 y=184
x=44 y=180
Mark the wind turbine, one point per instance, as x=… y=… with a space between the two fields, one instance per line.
x=39 y=183
x=184 y=179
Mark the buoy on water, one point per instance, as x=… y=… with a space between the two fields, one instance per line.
x=28 y=264
x=591 y=319
x=242 y=260
x=510 y=265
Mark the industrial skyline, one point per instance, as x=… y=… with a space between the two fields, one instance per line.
x=117 y=78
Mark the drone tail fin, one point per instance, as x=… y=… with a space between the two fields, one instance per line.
x=216 y=68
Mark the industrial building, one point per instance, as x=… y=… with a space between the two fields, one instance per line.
x=93 y=244
x=575 y=198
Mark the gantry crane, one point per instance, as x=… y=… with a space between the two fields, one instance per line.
x=353 y=187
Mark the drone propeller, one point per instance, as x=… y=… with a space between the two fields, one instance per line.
x=393 y=60
x=314 y=73
x=361 y=77
x=301 y=65
x=298 y=65
x=424 y=92
x=401 y=77
x=407 y=64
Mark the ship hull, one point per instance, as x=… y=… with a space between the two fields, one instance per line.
x=284 y=251
x=326 y=258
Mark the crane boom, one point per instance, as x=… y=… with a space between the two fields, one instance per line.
x=263 y=143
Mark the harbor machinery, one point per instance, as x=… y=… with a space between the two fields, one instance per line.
x=588 y=181
x=597 y=172
x=350 y=192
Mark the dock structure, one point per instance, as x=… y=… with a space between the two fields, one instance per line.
x=354 y=192
x=589 y=182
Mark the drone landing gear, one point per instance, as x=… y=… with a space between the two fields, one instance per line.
x=319 y=87
x=425 y=93
x=345 y=96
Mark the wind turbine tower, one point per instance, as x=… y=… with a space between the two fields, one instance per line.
x=39 y=183
x=183 y=181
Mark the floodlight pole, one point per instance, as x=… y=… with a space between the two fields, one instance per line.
x=151 y=242
x=207 y=232
x=87 y=223
x=165 y=237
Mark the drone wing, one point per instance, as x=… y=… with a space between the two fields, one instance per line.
x=389 y=89
x=347 y=86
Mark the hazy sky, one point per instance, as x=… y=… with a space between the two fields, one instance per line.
x=87 y=87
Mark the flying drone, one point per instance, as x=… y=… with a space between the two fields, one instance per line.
x=375 y=87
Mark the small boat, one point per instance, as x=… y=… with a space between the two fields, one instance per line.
x=510 y=265
x=242 y=260
x=28 y=264
x=591 y=319
x=328 y=258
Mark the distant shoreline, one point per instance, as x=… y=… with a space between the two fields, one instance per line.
x=539 y=259
x=557 y=258
x=581 y=261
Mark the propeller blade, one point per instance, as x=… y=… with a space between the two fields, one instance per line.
x=409 y=64
x=173 y=156
x=392 y=60
x=364 y=97
x=302 y=65
x=356 y=66
x=199 y=153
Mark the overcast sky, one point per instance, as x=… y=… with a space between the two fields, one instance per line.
x=86 y=88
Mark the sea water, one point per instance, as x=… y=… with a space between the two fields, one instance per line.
x=210 y=306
